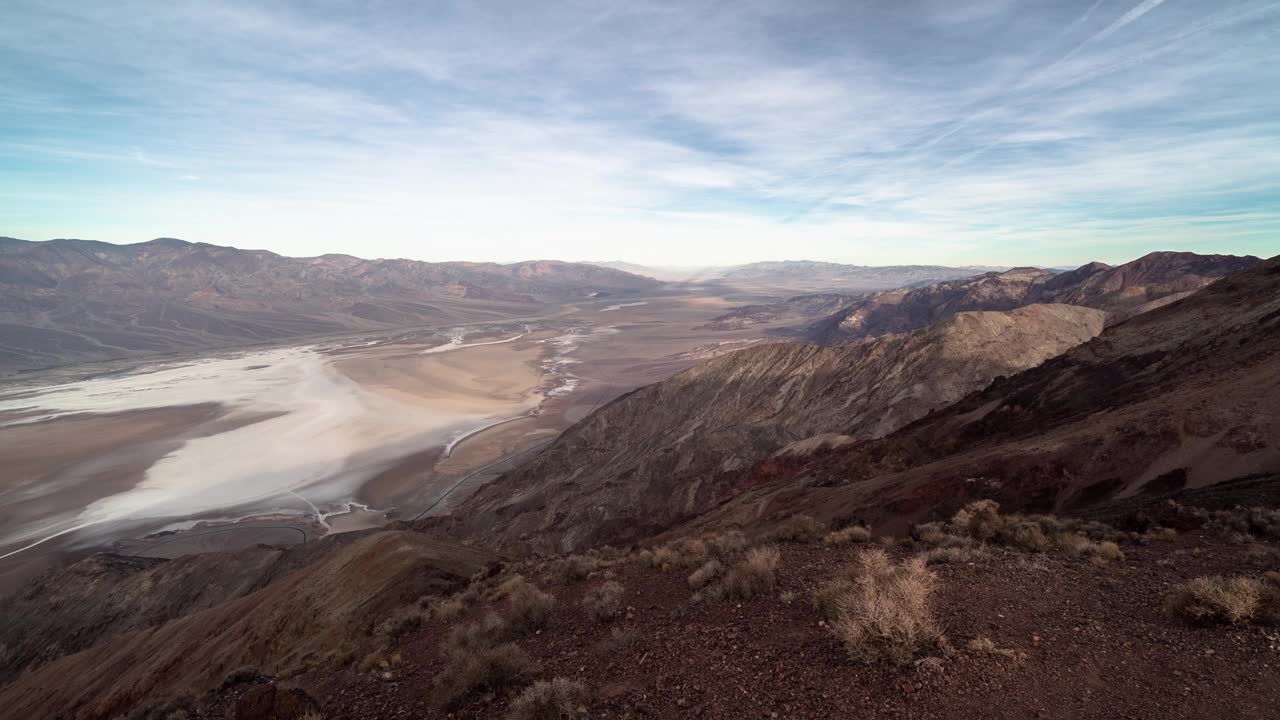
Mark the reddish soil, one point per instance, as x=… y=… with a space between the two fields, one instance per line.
x=1089 y=642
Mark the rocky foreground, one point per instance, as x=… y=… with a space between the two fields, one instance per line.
x=985 y=615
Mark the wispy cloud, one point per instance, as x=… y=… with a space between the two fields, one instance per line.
x=651 y=130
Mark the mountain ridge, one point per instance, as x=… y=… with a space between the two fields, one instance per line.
x=77 y=300
x=671 y=450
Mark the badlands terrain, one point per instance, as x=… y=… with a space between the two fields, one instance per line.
x=552 y=490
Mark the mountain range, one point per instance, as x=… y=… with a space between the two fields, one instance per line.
x=1181 y=395
x=78 y=300
x=672 y=450
x=1122 y=291
x=1150 y=400
x=804 y=274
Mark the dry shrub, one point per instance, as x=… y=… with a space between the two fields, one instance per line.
x=451 y=609
x=979 y=520
x=1073 y=543
x=1217 y=599
x=825 y=595
x=726 y=543
x=935 y=535
x=576 y=567
x=682 y=554
x=851 y=534
x=604 y=601
x=505 y=588
x=369 y=662
x=943 y=555
x=986 y=646
x=1104 y=552
x=1026 y=536
x=528 y=608
x=982 y=645
x=402 y=622
x=664 y=557
x=491 y=668
x=555 y=700
x=709 y=571
x=489 y=631
x=886 y=613
x=799 y=529
x=753 y=576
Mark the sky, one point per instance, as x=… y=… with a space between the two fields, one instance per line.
x=688 y=132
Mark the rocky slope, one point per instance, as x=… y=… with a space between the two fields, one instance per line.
x=669 y=451
x=1183 y=396
x=75 y=300
x=1122 y=291
x=315 y=614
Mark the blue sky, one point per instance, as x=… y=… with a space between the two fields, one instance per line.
x=684 y=132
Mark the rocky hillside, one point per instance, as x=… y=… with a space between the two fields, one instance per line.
x=1181 y=397
x=669 y=451
x=162 y=634
x=74 y=300
x=1122 y=291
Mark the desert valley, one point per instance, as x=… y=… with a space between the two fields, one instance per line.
x=642 y=360
x=555 y=431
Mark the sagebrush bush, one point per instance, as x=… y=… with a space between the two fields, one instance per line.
x=449 y=610
x=680 y=555
x=979 y=520
x=488 y=631
x=403 y=621
x=755 y=575
x=1104 y=552
x=727 y=543
x=952 y=554
x=1073 y=543
x=493 y=668
x=557 y=699
x=799 y=529
x=576 y=567
x=824 y=596
x=528 y=608
x=1026 y=536
x=851 y=534
x=1218 y=599
x=710 y=570
x=604 y=601
x=886 y=615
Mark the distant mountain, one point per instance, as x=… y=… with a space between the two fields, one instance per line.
x=837 y=276
x=665 y=273
x=65 y=301
x=669 y=451
x=1122 y=291
x=803 y=275
x=1180 y=398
